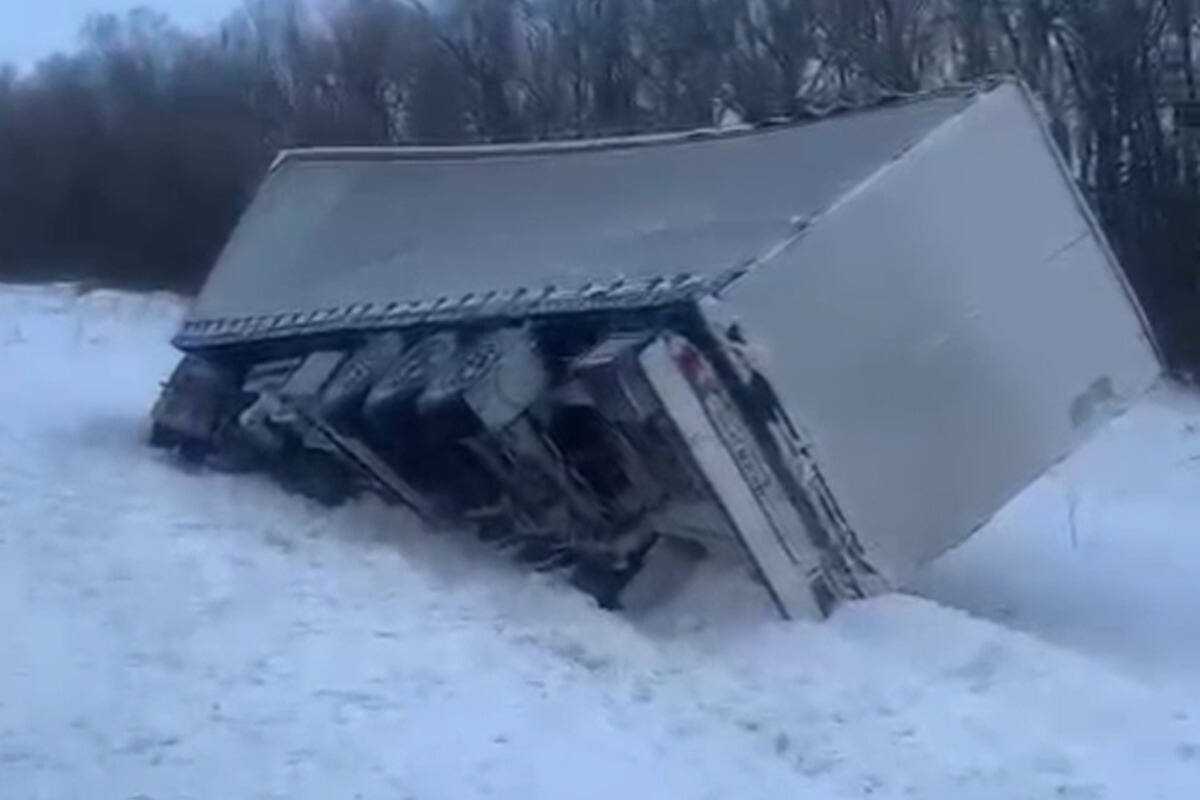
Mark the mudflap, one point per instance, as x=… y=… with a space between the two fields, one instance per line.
x=767 y=524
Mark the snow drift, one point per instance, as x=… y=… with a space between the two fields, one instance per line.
x=173 y=636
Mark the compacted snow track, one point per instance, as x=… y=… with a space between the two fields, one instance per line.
x=192 y=635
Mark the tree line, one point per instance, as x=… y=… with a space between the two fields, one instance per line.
x=127 y=160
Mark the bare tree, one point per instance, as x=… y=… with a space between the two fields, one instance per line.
x=132 y=157
x=893 y=44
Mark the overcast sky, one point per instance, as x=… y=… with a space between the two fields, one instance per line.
x=33 y=29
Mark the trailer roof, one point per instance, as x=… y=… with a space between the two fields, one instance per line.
x=354 y=237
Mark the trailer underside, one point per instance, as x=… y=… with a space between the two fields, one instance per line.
x=581 y=444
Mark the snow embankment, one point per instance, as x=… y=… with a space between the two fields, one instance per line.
x=176 y=635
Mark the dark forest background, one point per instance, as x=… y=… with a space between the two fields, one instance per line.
x=127 y=161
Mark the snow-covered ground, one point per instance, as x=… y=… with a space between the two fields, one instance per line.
x=174 y=635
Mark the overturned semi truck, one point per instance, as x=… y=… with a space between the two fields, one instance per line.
x=837 y=345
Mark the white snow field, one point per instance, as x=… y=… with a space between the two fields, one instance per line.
x=191 y=635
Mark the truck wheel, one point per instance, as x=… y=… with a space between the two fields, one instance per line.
x=162 y=436
x=486 y=386
x=194 y=451
x=391 y=398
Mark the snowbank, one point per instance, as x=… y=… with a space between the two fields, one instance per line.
x=1103 y=556
x=175 y=635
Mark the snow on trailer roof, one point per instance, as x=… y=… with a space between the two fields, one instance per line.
x=364 y=237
